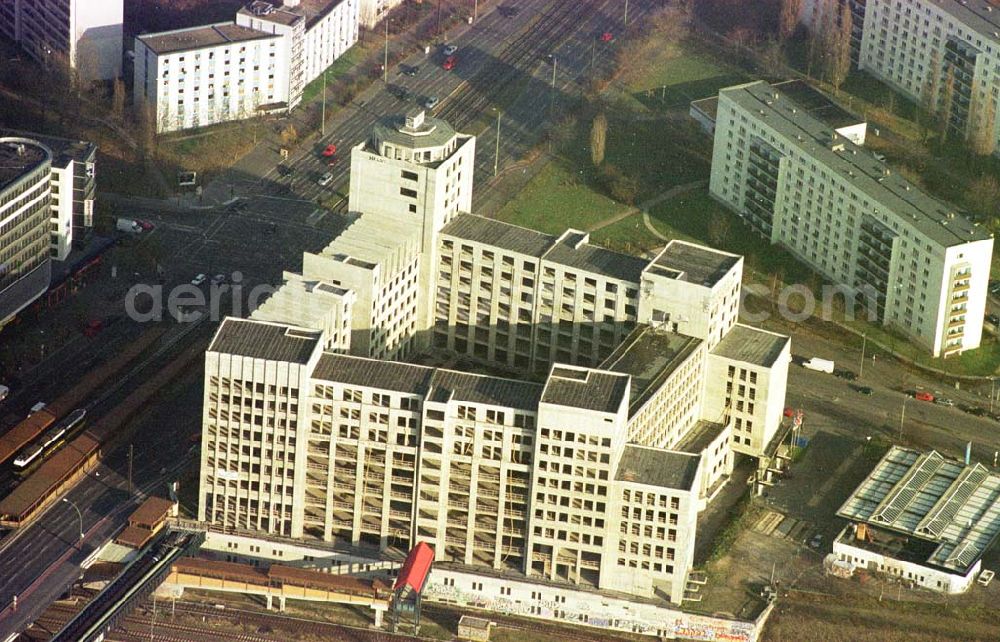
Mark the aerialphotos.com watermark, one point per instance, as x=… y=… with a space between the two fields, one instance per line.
x=188 y=302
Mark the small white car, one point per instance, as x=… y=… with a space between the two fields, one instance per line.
x=198 y=280
x=431 y=102
x=450 y=49
x=325 y=179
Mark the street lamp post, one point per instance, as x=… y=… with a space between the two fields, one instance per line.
x=864 y=341
x=78 y=514
x=625 y=22
x=496 y=157
x=385 y=58
x=993 y=381
x=475 y=10
x=902 y=415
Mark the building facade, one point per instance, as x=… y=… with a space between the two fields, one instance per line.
x=942 y=54
x=84 y=34
x=594 y=476
x=917 y=263
x=25 y=211
x=373 y=11
x=259 y=63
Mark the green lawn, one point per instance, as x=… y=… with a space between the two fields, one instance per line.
x=674 y=81
x=628 y=235
x=340 y=66
x=556 y=199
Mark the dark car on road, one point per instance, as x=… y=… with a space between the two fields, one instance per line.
x=994 y=319
x=864 y=390
x=409 y=70
x=284 y=170
x=401 y=93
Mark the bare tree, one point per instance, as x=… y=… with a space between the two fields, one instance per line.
x=788 y=19
x=983 y=196
x=718 y=229
x=839 y=52
x=289 y=135
x=945 y=104
x=982 y=124
x=118 y=100
x=929 y=94
x=598 y=138
x=147 y=130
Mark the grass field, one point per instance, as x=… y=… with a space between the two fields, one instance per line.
x=673 y=82
x=340 y=66
x=556 y=199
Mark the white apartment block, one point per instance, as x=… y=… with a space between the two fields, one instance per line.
x=87 y=34
x=258 y=64
x=373 y=11
x=25 y=210
x=919 y=263
x=945 y=53
x=593 y=478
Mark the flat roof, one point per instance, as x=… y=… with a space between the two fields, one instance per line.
x=571 y=249
x=692 y=263
x=924 y=495
x=810 y=98
x=655 y=467
x=700 y=437
x=263 y=340
x=585 y=388
x=20 y=156
x=505 y=236
x=484 y=389
x=649 y=356
x=942 y=222
x=180 y=40
x=751 y=345
x=980 y=15
x=63 y=149
x=431 y=132
x=134 y=537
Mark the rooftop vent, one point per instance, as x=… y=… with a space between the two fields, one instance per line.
x=261 y=8
x=20 y=149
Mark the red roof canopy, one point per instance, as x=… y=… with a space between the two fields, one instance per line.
x=416 y=568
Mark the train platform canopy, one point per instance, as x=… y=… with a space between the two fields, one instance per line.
x=33 y=491
x=416 y=568
x=151 y=513
x=952 y=506
x=134 y=537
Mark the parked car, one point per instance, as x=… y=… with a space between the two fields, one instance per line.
x=816 y=541
x=864 y=390
x=431 y=102
x=325 y=179
x=198 y=280
x=449 y=63
x=944 y=401
x=607 y=36
x=410 y=70
x=145 y=225
x=975 y=411
x=508 y=11
x=401 y=93
x=923 y=395
x=218 y=278
x=329 y=151
x=789 y=411
x=450 y=49
x=994 y=319
x=845 y=374
x=284 y=170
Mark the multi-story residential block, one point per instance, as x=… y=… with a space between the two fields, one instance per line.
x=373 y=11
x=943 y=54
x=84 y=34
x=594 y=477
x=919 y=264
x=73 y=188
x=257 y=64
x=25 y=211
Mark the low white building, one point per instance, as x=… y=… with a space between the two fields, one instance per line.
x=257 y=64
x=87 y=34
x=922 y=519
